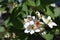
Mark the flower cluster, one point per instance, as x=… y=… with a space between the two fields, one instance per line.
x=10 y=35
x=34 y=24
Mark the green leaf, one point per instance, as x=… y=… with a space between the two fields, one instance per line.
x=30 y=11
x=37 y=2
x=7 y=22
x=24 y=7
x=48 y=36
x=31 y=3
x=16 y=22
x=49 y=12
x=57 y=11
x=2 y=29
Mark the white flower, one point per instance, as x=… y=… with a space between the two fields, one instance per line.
x=32 y=25
x=43 y=33
x=49 y=21
x=53 y=5
x=7 y=35
x=13 y=35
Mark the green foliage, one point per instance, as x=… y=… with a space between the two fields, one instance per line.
x=30 y=3
x=2 y=29
x=38 y=3
x=49 y=12
x=48 y=36
x=57 y=12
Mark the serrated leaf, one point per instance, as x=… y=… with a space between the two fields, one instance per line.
x=37 y=2
x=49 y=12
x=24 y=7
x=57 y=11
x=30 y=3
x=30 y=11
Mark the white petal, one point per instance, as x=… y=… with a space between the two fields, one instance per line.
x=49 y=18
x=38 y=14
x=25 y=20
x=41 y=28
x=26 y=25
x=53 y=5
x=32 y=31
x=43 y=33
x=31 y=22
x=44 y=19
x=26 y=31
x=51 y=24
x=33 y=17
x=37 y=30
x=54 y=24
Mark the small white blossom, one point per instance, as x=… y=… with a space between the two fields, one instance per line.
x=49 y=21
x=7 y=35
x=53 y=5
x=32 y=25
x=37 y=30
x=13 y=35
x=44 y=33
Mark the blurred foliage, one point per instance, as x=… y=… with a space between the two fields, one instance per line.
x=16 y=10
